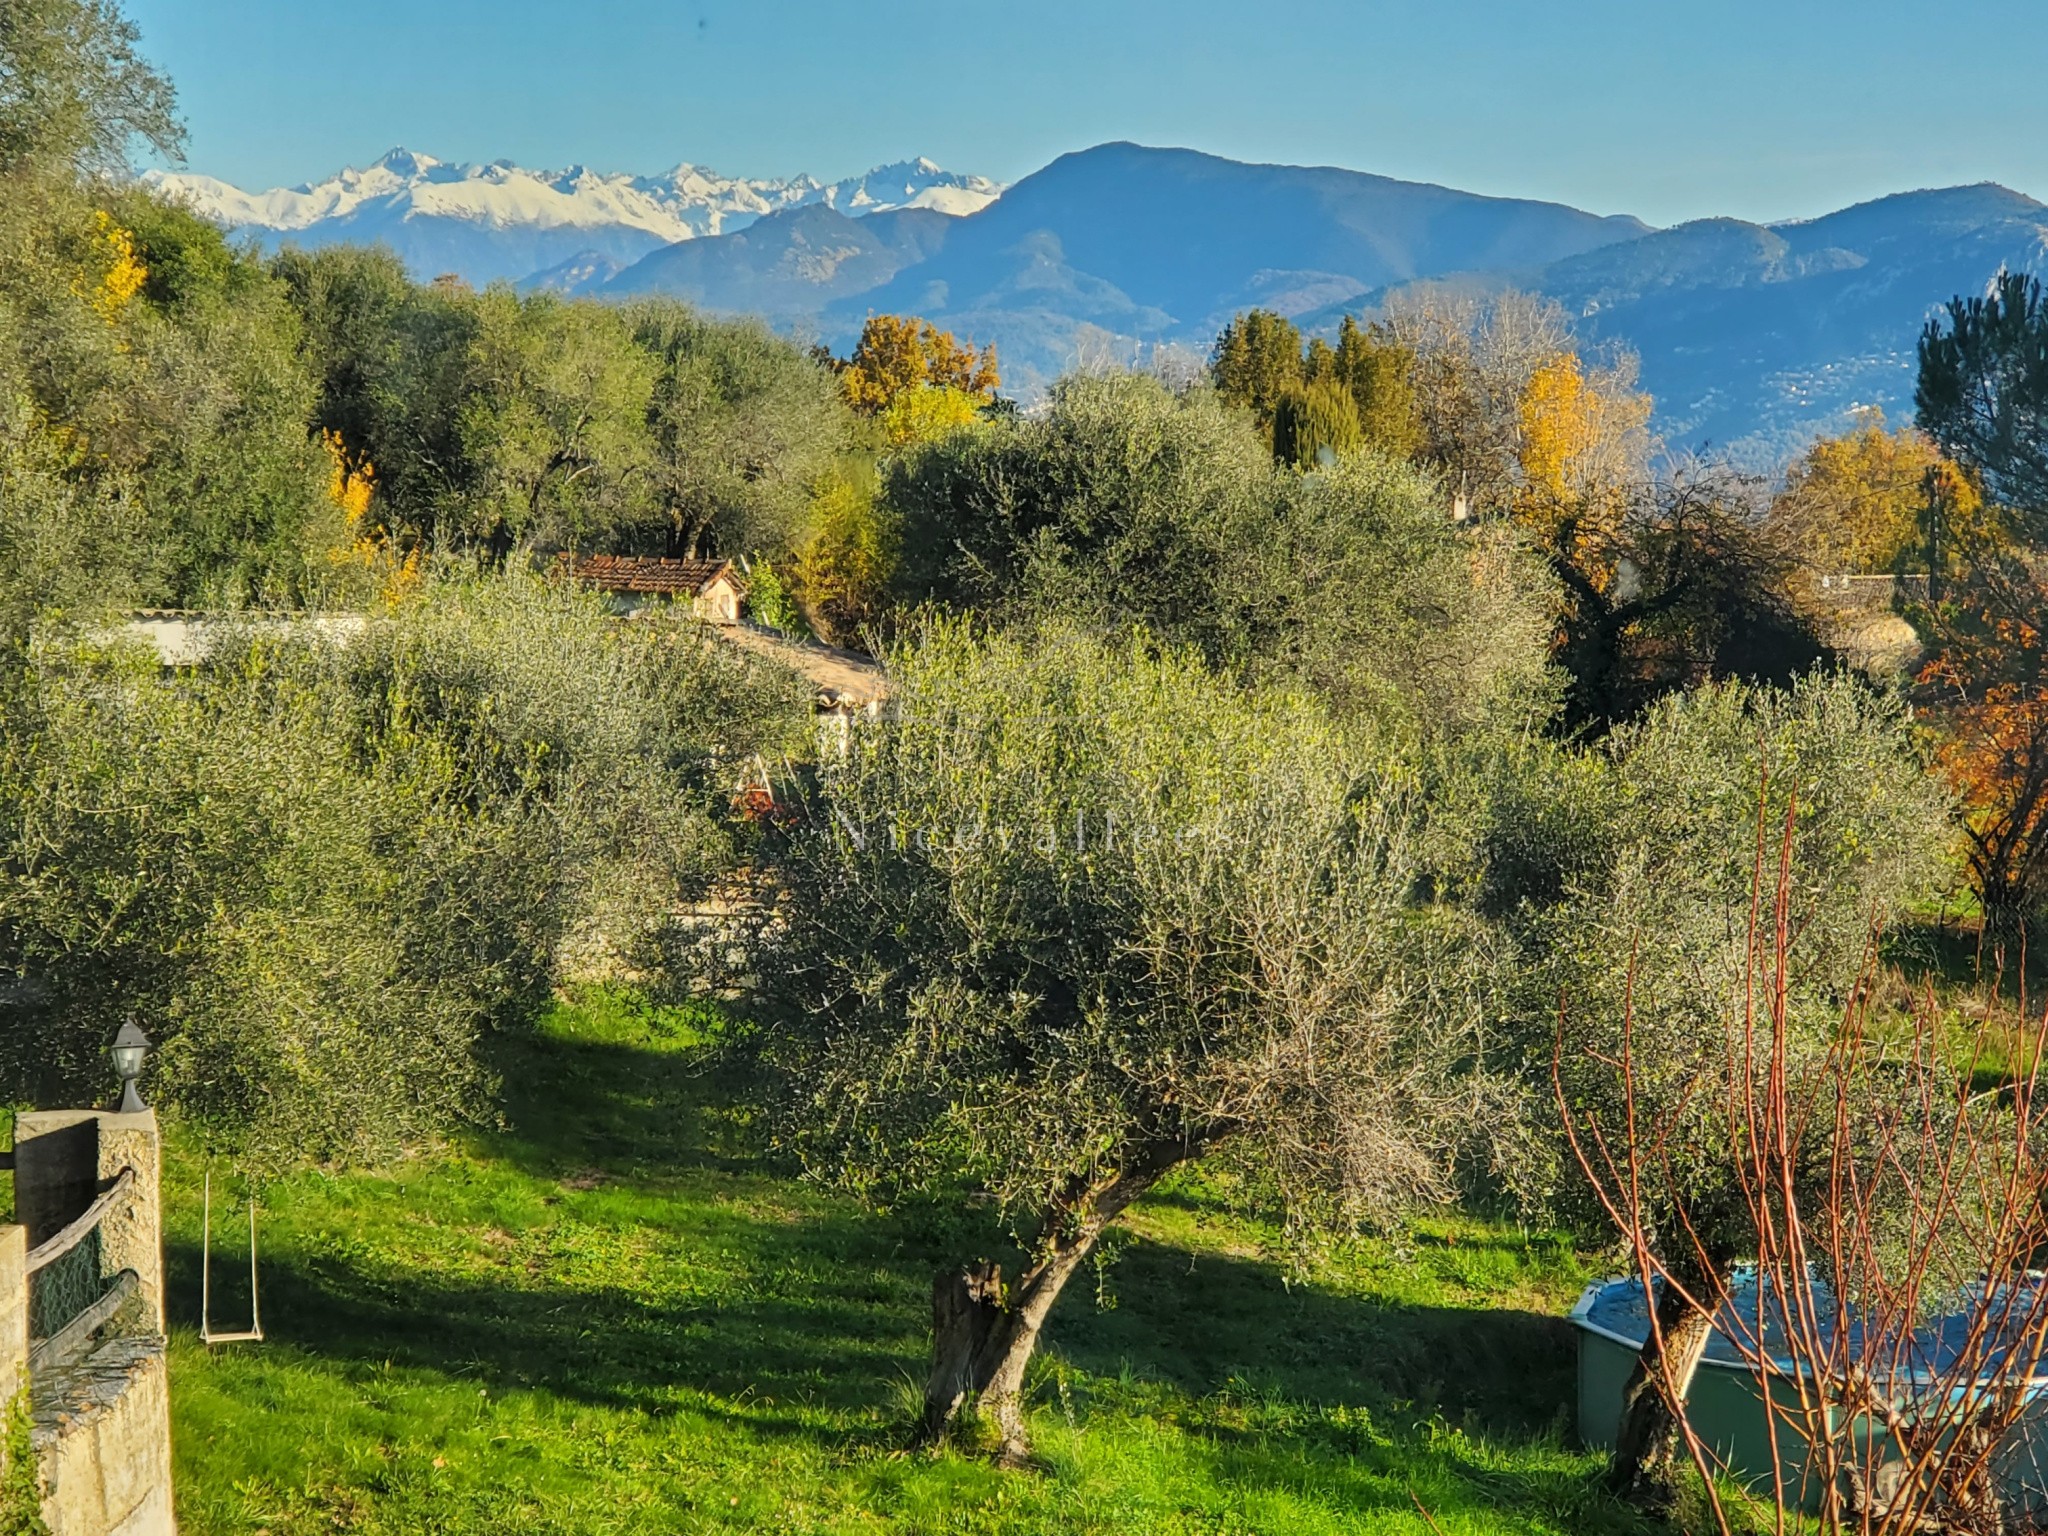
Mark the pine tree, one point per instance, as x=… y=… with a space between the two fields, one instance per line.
x=1983 y=392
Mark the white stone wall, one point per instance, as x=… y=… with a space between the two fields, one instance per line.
x=13 y=1311
x=103 y=1439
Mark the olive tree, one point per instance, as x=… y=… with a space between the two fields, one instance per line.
x=324 y=867
x=65 y=544
x=1076 y=913
x=555 y=398
x=1628 y=880
x=743 y=424
x=390 y=358
x=75 y=96
x=1362 y=588
x=1125 y=503
x=1122 y=503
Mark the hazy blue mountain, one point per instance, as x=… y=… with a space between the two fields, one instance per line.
x=1753 y=337
x=1185 y=232
x=790 y=265
x=1165 y=244
x=585 y=272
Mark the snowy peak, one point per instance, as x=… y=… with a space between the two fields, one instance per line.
x=402 y=187
x=911 y=184
x=402 y=162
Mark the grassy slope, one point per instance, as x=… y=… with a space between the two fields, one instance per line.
x=608 y=1318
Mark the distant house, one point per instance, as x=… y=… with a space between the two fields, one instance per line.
x=186 y=638
x=713 y=588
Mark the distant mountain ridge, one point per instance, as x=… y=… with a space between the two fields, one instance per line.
x=1194 y=235
x=486 y=222
x=1753 y=337
x=789 y=265
x=1164 y=245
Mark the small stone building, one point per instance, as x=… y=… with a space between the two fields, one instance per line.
x=713 y=588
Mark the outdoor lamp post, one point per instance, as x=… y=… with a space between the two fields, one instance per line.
x=131 y=1048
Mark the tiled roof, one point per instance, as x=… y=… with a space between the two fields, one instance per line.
x=638 y=573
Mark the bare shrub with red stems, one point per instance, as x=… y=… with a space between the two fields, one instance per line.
x=1892 y=1305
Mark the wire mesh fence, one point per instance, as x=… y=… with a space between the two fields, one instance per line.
x=70 y=1293
x=66 y=1287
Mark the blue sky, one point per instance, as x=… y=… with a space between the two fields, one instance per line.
x=1759 y=109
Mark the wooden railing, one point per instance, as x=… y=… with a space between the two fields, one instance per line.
x=70 y=1295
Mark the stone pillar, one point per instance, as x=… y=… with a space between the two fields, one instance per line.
x=63 y=1158
x=132 y=1236
x=13 y=1312
x=56 y=1170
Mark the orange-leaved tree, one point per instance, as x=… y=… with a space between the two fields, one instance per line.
x=898 y=354
x=1989 y=677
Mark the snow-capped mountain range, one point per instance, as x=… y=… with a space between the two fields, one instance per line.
x=501 y=220
x=1752 y=337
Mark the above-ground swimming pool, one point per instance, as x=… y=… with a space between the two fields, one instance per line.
x=1726 y=1405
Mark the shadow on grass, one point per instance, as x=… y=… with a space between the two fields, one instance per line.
x=1248 y=1371
x=811 y=1325
x=842 y=1322
x=651 y=1107
x=1203 y=1322
x=812 y=1313
x=1955 y=956
x=1451 y=1481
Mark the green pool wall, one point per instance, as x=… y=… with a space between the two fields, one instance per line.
x=1726 y=1409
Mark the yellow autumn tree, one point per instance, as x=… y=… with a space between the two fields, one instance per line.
x=1583 y=440
x=351 y=486
x=1556 y=424
x=926 y=415
x=900 y=354
x=1856 y=504
x=117 y=273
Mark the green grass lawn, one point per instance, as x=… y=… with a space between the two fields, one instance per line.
x=610 y=1317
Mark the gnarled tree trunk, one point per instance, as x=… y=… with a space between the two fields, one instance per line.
x=1645 y=1444
x=984 y=1332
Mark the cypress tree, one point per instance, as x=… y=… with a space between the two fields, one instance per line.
x=1380 y=374
x=1256 y=361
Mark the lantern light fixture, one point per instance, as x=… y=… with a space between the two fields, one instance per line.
x=131 y=1050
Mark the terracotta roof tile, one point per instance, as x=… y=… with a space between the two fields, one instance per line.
x=640 y=573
